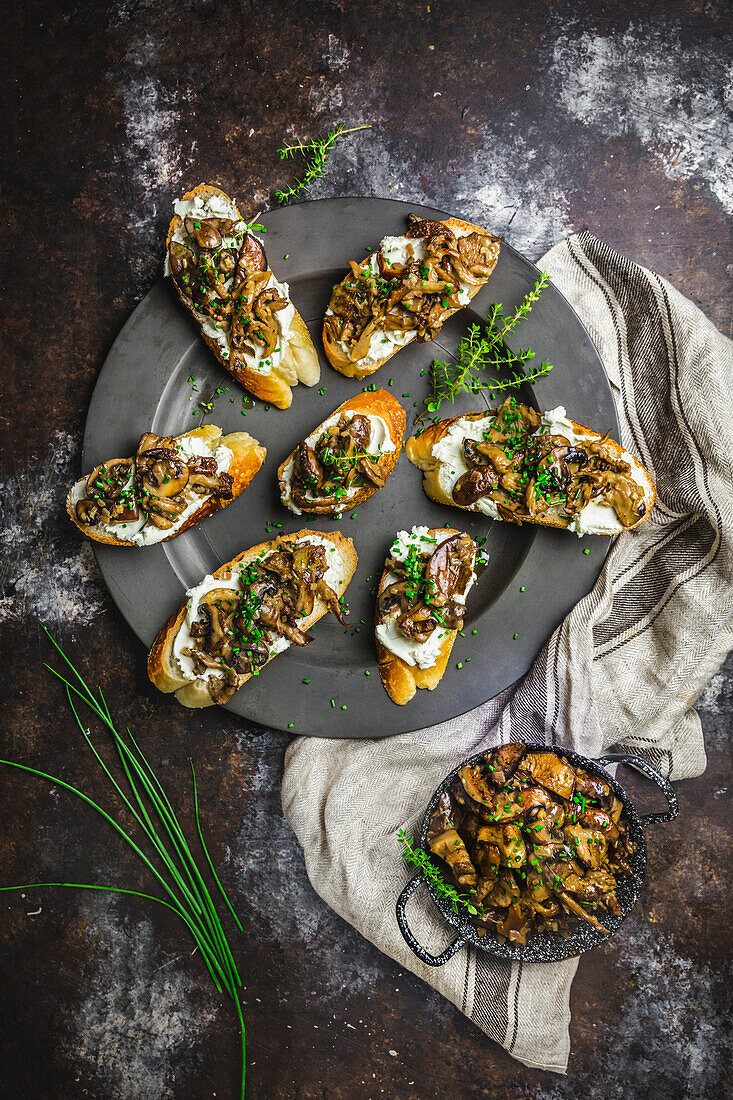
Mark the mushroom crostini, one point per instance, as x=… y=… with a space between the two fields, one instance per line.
x=405 y=291
x=169 y=485
x=421 y=601
x=522 y=466
x=246 y=316
x=252 y=608
x=346 y=458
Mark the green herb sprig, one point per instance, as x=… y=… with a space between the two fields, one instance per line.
x=481 y=350
x=169 y=858
x=420 y=859
x=318 y=150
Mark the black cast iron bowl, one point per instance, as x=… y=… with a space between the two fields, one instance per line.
x=545 y=946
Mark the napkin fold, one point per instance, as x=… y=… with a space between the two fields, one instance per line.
x=623 y=669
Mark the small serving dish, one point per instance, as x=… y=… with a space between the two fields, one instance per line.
x=544 y=946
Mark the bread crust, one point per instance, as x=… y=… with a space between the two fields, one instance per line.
x=401 y=680
x=162 y=668
x=299 y=362
x=378 y=403
x=247 y=457
x=419 y=450
x=347 y=366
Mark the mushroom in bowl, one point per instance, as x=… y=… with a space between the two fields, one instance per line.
x=547 y=848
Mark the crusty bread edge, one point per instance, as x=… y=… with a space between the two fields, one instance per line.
x=378 y=403
x=401 y=680
x=248 y=457
x=347 y=367
x=194 y=693
x=300 y=357
x=419 y=450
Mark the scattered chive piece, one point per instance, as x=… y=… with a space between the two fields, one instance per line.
x=522 y=589
x=333 y=702
x=306 y=681
x=515 y=637
x=587 y=550
x=367 y=672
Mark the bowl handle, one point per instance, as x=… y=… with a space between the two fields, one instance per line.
x=643 y=766
x=425 y=956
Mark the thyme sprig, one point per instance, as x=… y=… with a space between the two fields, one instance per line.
x=318 y=150
x=158 y=841
x=420 y=859
x=483 y=349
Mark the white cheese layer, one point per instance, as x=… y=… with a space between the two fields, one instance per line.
x=412 y=652
x=142 y=531
x=399 y=251
x=334 y=577
x=217 y=206
x=380 y=442
x=452 y=463
x=595 y=519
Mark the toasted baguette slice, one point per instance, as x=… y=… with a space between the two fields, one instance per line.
x=401 y=680
x=420 y=449
x=299 y=361
x=376 y=403
x=247 y=457
x=163 y=668
x=342 y=362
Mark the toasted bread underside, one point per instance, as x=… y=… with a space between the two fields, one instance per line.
x=419 y=450
x=401 y=680
x=247 y=457
x=342 y=363
x=163 y=668
x=378 y=403
x=299 y=362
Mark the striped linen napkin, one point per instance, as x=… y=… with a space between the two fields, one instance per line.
x=623 y=669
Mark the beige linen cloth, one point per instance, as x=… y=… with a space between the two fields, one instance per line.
x=623 y=669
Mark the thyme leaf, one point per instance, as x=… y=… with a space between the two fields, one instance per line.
x=420 y=859
x=318 y=151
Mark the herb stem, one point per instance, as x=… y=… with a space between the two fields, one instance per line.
x=178 y=874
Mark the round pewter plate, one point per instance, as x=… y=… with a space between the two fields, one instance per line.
x=331 y=688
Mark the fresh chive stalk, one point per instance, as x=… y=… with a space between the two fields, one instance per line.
x=172 y=864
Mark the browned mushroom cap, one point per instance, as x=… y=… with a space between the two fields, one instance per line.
x=475 y=484
x=220 y=605
x=419 y=227
x=109 y=478
x=162 y=472
x=203 y=231
x=440 y=573
x=478 y=453
x=204 y=477
x=110 y=494
x=182 y=262
x=251 y=259
x=417 y=623
x=478 y=255
x=307 y=470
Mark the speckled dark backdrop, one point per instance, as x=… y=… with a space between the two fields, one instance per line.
x=534 y=119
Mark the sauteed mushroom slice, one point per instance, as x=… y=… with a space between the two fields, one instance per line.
x=204 y=232
x=474 y=484
x=110 y=494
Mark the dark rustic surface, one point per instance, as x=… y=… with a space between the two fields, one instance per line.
x=536 y=120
